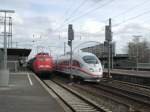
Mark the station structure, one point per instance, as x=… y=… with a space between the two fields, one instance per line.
x=16 y=59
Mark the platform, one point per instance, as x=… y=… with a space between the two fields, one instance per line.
x=26 y=94
x=138 y=77
x=130 y=72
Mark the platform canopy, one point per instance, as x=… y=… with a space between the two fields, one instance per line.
x=17 y=51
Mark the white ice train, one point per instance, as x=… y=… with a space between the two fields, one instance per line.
x=84 y=65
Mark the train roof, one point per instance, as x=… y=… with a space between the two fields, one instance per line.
x=81 y=54
x=76 y=55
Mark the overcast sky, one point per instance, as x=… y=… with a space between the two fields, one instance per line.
x=42 y=24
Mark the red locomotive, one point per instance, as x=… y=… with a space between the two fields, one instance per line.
x=42 y=64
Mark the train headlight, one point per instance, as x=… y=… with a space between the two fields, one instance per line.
x=91 y=69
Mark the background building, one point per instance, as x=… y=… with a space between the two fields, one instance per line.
x=100 y=50
x=16 y=59
x=118 y=61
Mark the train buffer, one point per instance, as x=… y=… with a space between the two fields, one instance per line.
x=26 y=94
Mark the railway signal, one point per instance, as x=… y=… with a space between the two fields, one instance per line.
x=70 y=32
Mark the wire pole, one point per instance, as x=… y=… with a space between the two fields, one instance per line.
x=10 y=32
x=64 y=48
x=5 y=44
x=5 y=36
x=112 y=54
x=71 y=57
x=108 y=39
x=70 y=38
x=108 y=58
x=137 y=55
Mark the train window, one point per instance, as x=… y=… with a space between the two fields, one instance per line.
x=90 y=59
x=47 y=59
x=67 y=62
x=42 y=54
x=76 y=63
x=40 y=59
x=63 y=63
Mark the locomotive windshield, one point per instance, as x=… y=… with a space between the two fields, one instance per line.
x=90 y=59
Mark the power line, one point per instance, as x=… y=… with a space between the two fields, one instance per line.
x=67 y=19
x=128 y=19
x=76 y=10
x=73 y=12
x=92 y=10
x=88 y=12
x=132 y=18
x=131 y=9
x=68 y=9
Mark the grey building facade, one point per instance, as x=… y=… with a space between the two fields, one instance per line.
x=100 y=50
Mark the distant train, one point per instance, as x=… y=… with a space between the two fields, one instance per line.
x=42 y=64
x=84 y=65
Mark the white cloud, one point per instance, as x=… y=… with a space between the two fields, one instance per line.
x=42 y=18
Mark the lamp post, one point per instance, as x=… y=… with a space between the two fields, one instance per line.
x=4 y=73
x=5 y=36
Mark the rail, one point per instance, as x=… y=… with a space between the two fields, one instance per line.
x=128 y=90
x=75 y=101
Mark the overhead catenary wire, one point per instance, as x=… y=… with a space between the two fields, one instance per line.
x=132 y=18
x=131 y=9
x=92 y=10
x=73 y=12
x=76 y=10
x=67 y=11
x=89 y=11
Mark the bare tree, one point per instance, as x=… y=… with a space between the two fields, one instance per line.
x=139 y=50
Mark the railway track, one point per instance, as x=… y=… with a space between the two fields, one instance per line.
x=75 y=101
x=138 y=86
x=131 y=91
x=134 y=97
